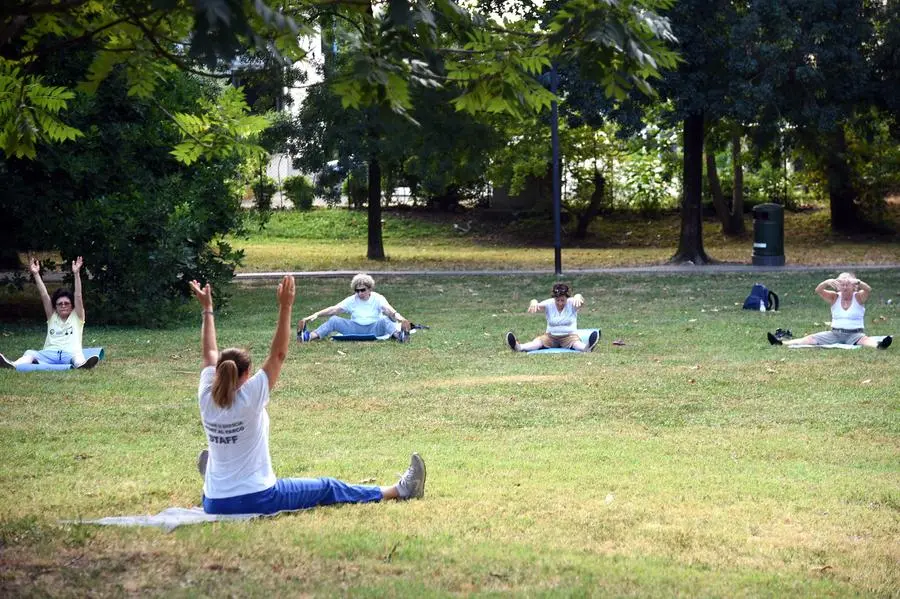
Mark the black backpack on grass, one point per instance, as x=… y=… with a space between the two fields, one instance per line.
x=761 y=294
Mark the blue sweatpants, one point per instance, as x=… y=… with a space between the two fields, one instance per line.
x=293 y=494
x=345 y=326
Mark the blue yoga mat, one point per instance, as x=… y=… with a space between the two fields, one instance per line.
x=367 y=337
x=88 y=352
x=583 y=333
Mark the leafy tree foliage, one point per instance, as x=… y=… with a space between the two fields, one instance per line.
x=144 y=222
x=145 y=40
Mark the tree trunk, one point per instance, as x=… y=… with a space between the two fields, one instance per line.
x=690 y=243
x=736 y=223
x=593 y=208
x=731 y=216
x=715 y=187
x=841 y=194
x=376 y=246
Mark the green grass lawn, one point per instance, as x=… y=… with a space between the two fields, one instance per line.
x=336 y=240
x=695 y=460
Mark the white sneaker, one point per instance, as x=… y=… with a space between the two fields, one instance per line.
x=302 y=332
x=412 y=483
x=5 y=363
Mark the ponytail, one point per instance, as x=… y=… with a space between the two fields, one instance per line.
x=233 y=363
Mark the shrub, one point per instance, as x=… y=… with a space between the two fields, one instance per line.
x=145 y=223
x=356 y=188
x=299 y=190
x=264 y=190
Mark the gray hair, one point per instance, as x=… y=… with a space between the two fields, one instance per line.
x=362 y=279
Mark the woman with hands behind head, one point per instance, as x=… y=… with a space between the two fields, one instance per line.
x=562 y=323
x=237 y=466
x=847 y=296
x=65 y=324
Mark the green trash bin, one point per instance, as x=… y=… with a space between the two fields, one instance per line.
x=768 y=235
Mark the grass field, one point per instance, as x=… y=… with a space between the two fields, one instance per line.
x=695 y=460
x=336 y=240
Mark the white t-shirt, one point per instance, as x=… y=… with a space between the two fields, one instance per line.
x=239 y=460
x=560 y=323
x=364 y=312
x=64 y=334
x=851 y=318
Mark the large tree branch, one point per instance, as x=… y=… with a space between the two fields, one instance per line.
x=170 y=56
x=87 y=35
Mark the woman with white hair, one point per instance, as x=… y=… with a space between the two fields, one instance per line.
x=847 y=296
x=370 y=314
x=237 y=468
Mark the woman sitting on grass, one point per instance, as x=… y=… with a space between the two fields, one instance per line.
x=237 y=467
x=370 y=314
x=562 y=323
x=65 y=325
x=846 y=296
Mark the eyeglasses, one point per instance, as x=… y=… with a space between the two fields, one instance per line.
x=361 y=290
x=61 y=304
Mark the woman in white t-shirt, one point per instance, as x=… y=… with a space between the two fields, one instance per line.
x=370 y=314
x=562 y=323
x=65 y=325
x=237 y=467
x=847 y=296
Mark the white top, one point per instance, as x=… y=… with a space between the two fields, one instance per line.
x=364 y=311
x=239 y=460
x=852 y=318
x=560 y=323
x=64 y=334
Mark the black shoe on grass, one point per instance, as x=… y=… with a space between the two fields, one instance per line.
x=592 y=341
x=511 y=341
x=773 y=339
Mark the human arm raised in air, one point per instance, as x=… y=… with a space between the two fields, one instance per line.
x=78 y=308
x=282 y=339
x=35 y=267
x=209 y=349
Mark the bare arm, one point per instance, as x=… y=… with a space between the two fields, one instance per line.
x=389 y=311
x=864 y=290
x=79 y=301
x=209 y=349
x=827 y=290
x=282 y=340
x=534 y=307
x=577 y=301
x=35 y=267
x=329 y=311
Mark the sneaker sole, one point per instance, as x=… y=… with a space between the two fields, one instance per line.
x=202 y=461
x=421 y=494
x=511 y=341
x=592 y=345
x=89 y=363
